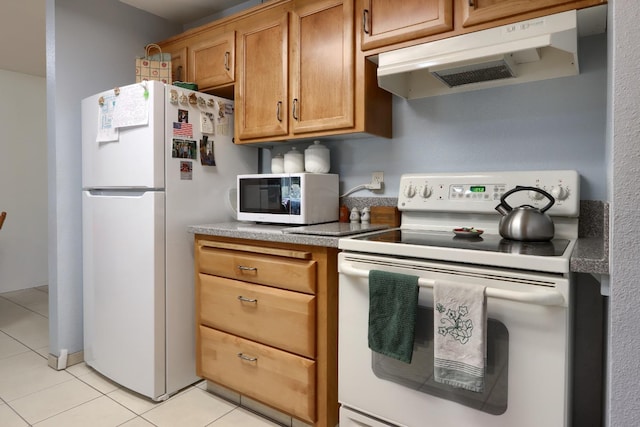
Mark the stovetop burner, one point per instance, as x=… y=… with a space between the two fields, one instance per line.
x=485 y=242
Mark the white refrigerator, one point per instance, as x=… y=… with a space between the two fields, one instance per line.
x=155 y=159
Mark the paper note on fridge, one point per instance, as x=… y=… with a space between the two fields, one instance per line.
x=206 y=122
x=131 y=106
x=106 y=131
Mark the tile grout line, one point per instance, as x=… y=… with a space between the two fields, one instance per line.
x=74 y=376
x=25 y=307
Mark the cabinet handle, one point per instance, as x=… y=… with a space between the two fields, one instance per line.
x=470 y=3
x=365 y=20
x=179 y=77
x=295 y=109
x=247 y=358
x=245 y=299
x=279 y=111
x=226 y=61
x=243 y=268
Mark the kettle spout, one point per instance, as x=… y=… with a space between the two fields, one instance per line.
x=503 y=210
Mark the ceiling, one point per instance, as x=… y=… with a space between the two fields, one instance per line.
x=28 y=57
x=183 y=11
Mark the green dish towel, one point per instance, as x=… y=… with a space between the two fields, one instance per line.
x=393 y=305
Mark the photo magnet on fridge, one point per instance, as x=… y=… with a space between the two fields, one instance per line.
x=182 y=129
x=183 y=149
x=186 y=171
x=207 y=155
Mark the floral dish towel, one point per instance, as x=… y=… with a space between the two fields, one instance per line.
x=460 y=344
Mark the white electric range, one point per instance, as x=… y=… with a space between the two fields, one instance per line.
x=529 y=304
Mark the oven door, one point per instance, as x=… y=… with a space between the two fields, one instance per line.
x=527 y=351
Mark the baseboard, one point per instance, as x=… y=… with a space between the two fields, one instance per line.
x=72 y=359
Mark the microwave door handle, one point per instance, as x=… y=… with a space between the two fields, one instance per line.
x=545 y=297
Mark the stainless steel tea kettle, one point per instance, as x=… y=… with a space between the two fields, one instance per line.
x=525 y=223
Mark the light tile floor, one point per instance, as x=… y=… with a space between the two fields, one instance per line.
x=33 y=394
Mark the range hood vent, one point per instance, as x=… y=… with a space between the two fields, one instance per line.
x=537 y=49
x=501 y=68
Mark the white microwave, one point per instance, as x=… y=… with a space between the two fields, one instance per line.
x=288 y=198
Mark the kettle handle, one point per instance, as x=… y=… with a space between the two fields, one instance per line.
x=524 y=188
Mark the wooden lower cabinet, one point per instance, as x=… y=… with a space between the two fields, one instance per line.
x=267 y=324
x=274 y=377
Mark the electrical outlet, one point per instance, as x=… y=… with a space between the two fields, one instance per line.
x=377 y=178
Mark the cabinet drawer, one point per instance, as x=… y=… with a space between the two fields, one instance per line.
x=275 y=317
x=281 y=272
x=274 y=377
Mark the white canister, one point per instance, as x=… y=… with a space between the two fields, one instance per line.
x=277 y=164
x=317 y=158
x=293 y=161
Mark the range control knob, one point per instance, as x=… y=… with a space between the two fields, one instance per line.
x=425 y=192
x=409 y=191
x=535 y=195
x=560 y=193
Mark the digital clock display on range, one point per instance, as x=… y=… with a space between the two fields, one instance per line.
x=477 y=189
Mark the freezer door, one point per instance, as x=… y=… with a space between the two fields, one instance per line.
x=124 y=288
x=135 y=158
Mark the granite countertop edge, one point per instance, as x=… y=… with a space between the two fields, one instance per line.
x=590 y=254
x=234 y=230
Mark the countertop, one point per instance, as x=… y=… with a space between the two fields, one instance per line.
x=590 y=254
x=326 y=235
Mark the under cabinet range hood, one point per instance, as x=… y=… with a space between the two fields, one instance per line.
x=536 y=49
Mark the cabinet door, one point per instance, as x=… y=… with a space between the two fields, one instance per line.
x=178 y=62
x=386 y=22
x=261 y=92
x=480 y=11
x=211 y=60
x=322 y=66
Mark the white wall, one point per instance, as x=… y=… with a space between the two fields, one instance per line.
x=91 y=47
x=23 y=181
x=551 y=124
x=624 y=365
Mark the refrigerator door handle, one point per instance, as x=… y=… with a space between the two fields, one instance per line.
x=131 y=192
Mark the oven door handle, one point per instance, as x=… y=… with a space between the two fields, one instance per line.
x=547 y=297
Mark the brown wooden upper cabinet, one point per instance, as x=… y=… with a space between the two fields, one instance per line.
x=296 y=72
x=385 y=22
x=212 y=60
x=322 y=66
x=262 y=96
x=388 y=24
x=206 y=58
x=292 y=68
x=476 y=12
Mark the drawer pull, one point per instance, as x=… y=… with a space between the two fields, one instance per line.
x=243 y=268
x=247 y=358
x=245 y=299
